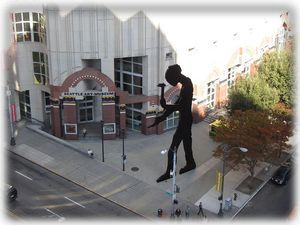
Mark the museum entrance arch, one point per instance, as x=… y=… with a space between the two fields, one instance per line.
x=86 y=96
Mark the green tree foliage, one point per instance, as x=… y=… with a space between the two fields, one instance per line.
x=251 y=93
x=277 y=69
x=263 y=135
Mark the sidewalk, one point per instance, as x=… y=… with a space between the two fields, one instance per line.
x=136 y=188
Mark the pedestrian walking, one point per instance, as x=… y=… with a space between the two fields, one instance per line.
x=84 y=131
x=187 y=212
x=200 y=210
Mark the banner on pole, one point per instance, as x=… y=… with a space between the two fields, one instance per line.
x=218 y=181
x=13 y=112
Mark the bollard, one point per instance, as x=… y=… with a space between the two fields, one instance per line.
x=178 y=212
x=234 y=196
x=90 y=153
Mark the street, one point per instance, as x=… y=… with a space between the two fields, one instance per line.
x=272 y=201
x=44 y=195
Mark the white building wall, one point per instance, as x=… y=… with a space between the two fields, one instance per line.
x=25 y=78
x=96 y=33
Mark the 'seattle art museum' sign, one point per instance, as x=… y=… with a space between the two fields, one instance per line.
x=87 y=93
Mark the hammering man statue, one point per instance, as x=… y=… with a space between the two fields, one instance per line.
x=184 y=129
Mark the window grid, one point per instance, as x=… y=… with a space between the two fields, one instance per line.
x=40 y=68
x=129 y=75
x=47 y=102
x=134 y=116
x=24 y=102
x=211 y=94
x=86 y=109
x=171 y=121
x=29 y=26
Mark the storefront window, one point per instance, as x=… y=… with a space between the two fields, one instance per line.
x=171 y=121
x=134 y=116
x=86 y=109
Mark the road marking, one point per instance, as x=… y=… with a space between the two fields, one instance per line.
x=61 y=218
x=23 y=175
x=74 y=202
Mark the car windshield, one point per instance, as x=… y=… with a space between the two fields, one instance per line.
x=281 y=171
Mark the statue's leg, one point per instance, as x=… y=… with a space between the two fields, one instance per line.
x=187 y=145
x=175 y=143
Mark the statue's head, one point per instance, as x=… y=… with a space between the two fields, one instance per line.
x=173 y=74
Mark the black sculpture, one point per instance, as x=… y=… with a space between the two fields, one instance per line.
x=183 y=132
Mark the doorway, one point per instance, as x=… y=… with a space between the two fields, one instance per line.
x=86 y=109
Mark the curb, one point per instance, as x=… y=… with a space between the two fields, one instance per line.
x=81 y=186
x=56 y=139
x=252 y=196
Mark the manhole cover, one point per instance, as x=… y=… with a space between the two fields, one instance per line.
x=134 y=169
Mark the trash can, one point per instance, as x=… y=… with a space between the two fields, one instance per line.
x=228 y=204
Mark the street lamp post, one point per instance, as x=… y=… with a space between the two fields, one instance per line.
x=225 y=151
x=102 y=138
x=123 y=149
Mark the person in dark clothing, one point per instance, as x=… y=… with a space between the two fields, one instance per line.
x=200 y=210
x=184 y=129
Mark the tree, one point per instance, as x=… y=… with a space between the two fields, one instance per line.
x=263 y=135
x=277 y=69
x=251 y=93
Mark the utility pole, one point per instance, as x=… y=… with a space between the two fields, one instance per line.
x=174 y=186
x=123 y=149
x=102 y=138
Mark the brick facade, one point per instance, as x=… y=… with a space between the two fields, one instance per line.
x=108 y=106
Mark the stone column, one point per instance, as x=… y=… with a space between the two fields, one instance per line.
x=56 y=118
x=148 y=120
x=70 y=119
x=108 y=115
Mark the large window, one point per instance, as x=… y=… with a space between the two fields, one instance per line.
x=86 y=109
x=29 y=26
x=47 y=103
x=231 y=76
x=211 y=94
x=134 y=116
x=24 y=101
x=171 y=121
x=40 y=68
x=129 y=74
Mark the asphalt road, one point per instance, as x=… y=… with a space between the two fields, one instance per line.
x=271 y=202
x=44 y=195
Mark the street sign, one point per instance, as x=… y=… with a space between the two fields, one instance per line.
x=218 y=181
x=169 y=192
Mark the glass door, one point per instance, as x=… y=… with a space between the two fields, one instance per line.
x=86 y=109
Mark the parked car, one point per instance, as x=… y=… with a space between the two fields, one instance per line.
x=282 y=175
x=12 y=193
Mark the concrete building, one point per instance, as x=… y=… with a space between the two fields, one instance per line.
x=71 y=69
x=244 y=62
